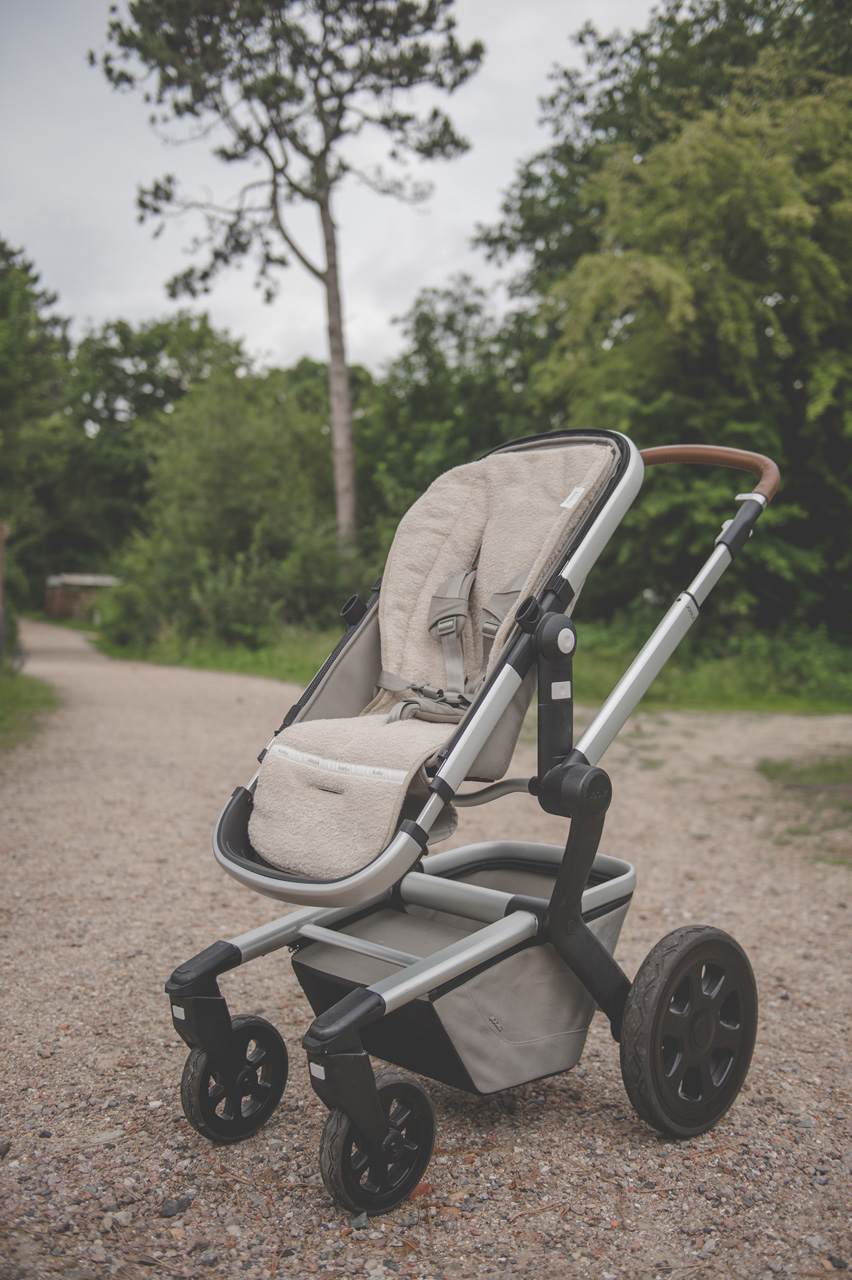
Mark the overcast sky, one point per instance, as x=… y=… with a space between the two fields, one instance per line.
x=72 y=152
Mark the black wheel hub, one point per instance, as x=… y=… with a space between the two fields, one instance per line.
x=228 y=1108
x=701 y=1031
x=374 y=1179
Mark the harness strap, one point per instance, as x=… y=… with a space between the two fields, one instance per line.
x=448 y=613
x=494 y=611
x=434 y=704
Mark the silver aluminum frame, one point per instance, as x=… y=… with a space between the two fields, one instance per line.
x=431 y=888
x=651 y=659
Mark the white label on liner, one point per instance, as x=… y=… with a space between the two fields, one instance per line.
x=343 y=767
x=573 y=497
x=178 y=1012
x=318 y=1071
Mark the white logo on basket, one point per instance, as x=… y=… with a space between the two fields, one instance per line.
x=573 y=497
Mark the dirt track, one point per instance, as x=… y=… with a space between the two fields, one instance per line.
x=108 y=882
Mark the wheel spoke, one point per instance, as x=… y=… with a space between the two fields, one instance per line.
x=674 y=1024
x=720 y=992
x=377 y=1174
x=709 y=1088
x=730 y=1038
x=400 y=1116
x=216 y=1092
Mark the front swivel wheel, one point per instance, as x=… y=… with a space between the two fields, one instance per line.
x=688 y=1030
x=230 y=1110
x=366 y=1181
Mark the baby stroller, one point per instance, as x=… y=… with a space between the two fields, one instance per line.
x=479 y=966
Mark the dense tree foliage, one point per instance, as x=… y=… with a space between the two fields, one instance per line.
x=124 y=382
x=638 y=90
x=33 y=384
x=240 y=531
x=718 y=308
x=457 y=390
x=284 y=86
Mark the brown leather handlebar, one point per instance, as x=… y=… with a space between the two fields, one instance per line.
x=718 y=456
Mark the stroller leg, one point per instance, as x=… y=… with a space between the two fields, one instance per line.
x=378 y=1138
x=199 y=1011
x=339 y=1067
x=577 y=790
x=237 y=1067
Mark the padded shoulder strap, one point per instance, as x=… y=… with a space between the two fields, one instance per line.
x=495 y=609
x=448 y=613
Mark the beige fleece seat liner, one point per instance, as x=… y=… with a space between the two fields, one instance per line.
x=330 y=792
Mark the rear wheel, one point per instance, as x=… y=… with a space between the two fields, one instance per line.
x=688 y=1030
x=365 y=1182
x=229 y=1112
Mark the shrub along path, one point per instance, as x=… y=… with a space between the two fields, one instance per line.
x=108 y=882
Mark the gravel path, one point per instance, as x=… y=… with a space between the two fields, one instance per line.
x=108 y=882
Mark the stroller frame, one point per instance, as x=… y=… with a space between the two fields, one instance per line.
x=379 y=1135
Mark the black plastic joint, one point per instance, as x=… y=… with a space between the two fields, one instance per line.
x=442 y=788
x=197 y=977
x=537 y=907
x=562 y=589
x=735 y=536
x=416 y=832
x=575 y=789
x=556 y=639
x=528 y=615
x=336 y=1030
x=353 y=611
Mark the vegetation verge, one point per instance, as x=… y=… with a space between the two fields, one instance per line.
x=807 y=674
x=23 y=699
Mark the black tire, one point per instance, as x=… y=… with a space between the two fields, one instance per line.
x=225 y=1114
x=374 y=1184
x=688 y=1030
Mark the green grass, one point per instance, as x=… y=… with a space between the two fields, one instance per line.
x=835 y=772
x=805 y=675
x=297 y=656
x=821 y=796
x=23 y=699
x=38 y=615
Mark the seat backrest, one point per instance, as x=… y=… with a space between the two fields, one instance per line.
x=515 y=509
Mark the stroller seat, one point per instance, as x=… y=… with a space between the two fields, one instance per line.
x=332 y=790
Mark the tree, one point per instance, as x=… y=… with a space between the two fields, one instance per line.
x=239 y=532
x=33 y=379
x=284 y=84
x=459 y=388
x=638 y=90
x=125 y=383
x=718 y=307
